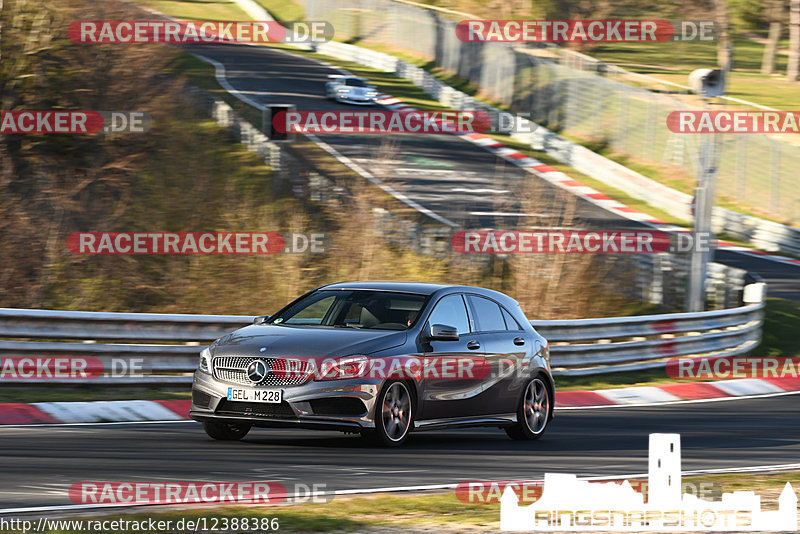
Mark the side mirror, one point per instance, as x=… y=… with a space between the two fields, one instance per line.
x=260 y=319
x=442 y=332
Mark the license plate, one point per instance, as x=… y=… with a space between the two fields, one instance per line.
x=271 y=396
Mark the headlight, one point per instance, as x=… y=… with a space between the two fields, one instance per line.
x=343 y=368
x=343 y=90
x=372 y=94
x=205 y=361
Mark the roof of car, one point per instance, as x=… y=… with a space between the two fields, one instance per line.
x=410 y=287
x=422 y=288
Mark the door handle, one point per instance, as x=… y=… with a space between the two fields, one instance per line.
x=473 y=345
x=519 y=341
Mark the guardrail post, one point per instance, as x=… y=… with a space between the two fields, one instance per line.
x=755 y=293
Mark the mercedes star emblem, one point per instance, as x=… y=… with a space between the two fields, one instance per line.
x=258 y=371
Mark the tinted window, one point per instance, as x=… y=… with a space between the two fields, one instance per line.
x=355 y=82
x=511 y=323
x=488 y=316
x=451 y=311
x=314 y=313
x=383 y=310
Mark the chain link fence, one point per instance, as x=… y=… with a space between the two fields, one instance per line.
x=582 y=98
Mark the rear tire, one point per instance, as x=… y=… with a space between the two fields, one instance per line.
x=393 y=415
x=533 y=412
x=226 y=431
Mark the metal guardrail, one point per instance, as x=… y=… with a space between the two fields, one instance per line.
x=647 y=342
x=577 y=347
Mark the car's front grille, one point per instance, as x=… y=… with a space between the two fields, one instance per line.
x=260 y=409
x=234 y=369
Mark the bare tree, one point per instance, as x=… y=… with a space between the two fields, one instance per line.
x=724 y=44
x=793 y=68
x=775 y=17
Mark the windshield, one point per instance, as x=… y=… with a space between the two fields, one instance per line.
x=355 y=82
x=379 y=310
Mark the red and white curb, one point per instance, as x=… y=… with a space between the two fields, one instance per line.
x=677 y=392
x=178 y=410
x=18 y=413
x=559 y=179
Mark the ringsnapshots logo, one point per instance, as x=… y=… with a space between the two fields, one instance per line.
x=585 y=31
x=570 y=504
x=191 y=243
x=198 y=32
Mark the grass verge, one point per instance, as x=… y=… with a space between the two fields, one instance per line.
x=283 y=10
x=197 y=9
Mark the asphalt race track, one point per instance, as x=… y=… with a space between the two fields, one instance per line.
x=40 y=463
x=445 y=174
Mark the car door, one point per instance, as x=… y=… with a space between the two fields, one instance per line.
x=505 y=348
x=450 y=394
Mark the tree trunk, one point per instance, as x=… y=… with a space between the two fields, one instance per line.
x=793 y=68
x=775 y=17
x=724 y=45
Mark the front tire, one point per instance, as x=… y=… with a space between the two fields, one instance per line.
x=393 y=414
x=226 y=431
x=533 y=412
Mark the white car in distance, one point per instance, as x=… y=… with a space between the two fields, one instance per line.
x=350 y=89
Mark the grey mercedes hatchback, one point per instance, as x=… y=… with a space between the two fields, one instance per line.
x=381 y=359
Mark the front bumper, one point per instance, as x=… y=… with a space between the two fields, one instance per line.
x=347 y=405
x=359 y=101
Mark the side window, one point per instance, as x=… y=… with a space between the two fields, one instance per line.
x=451 y=312
x=488 y=316
x=511 y=323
